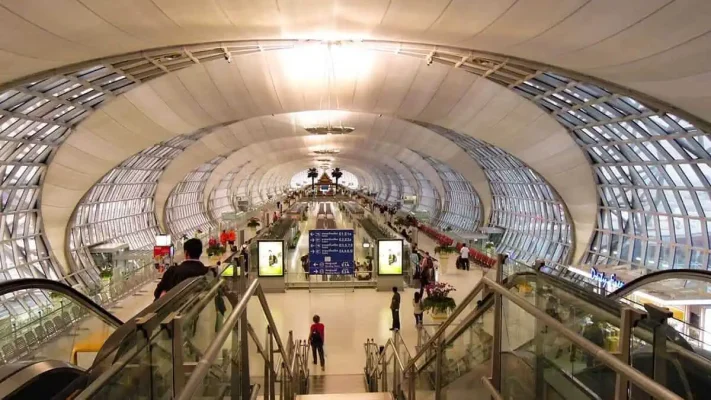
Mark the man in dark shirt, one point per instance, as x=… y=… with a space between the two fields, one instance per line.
x=395 y=308
x=189 y=268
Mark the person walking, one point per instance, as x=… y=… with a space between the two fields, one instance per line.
x=426 y=270
x=395 y=309
x=191 y=267
x=415 y=262
x=417 y=306
x=316 y=339
x=464 y=254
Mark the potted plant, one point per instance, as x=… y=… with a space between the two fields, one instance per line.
x=444 y=249
x=253 y=223
x=106 y=273
x=214 y=248
x=489 y=248
x=438 y=303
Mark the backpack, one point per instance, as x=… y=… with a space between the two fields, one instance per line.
x=315 y=338
x=429 y=263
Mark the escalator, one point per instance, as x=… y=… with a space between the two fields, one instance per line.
x=53 y=346
x=537 y=361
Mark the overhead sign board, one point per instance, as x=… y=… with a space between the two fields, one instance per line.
x=331 y=252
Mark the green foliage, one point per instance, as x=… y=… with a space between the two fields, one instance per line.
x=445 y=249
x=253 y=223
x=438 y=300
x=217 y=250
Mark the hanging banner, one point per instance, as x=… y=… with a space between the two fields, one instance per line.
x=331 y=252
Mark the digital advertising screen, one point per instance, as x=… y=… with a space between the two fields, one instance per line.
x=390 y=257
x=271 y=257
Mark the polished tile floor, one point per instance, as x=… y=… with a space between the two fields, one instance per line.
x=350 y=316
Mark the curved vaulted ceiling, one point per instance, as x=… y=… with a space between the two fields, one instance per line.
x=608 y=39
x=270 y=83
x=581 y=125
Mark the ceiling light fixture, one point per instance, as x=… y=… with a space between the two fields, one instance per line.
x=323 y=152
x=329 y=130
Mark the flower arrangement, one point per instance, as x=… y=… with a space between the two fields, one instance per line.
x=445 y=247
x=438 y=300
x=253 y=222
x=214 y=248
x=489 y=245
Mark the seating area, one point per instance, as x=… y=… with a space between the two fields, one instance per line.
x=21 y=340
x=481 y=258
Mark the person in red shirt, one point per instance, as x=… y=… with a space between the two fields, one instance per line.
x=316 y=339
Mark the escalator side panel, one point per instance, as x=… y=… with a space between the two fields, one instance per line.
x=37 y=379
x=8 y=287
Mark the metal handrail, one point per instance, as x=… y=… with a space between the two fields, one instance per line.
x=491 y=389
x=215 y=348
x=467 y=300
x=255 y=392
x=638 y=378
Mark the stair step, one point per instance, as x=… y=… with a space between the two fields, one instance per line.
x=327 y=384
x=346 y=396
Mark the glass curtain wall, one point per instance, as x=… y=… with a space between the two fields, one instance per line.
x=35 y=118
x=534 y=218
x=428 y=200
x=241 y=188
x=185 y=210
x=651 y=168
x=394 y=184
x=120 y=208
x=461 y=208
x=221 y=196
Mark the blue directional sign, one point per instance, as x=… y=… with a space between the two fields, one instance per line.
x=331 y=252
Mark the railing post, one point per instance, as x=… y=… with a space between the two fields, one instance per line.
x=384 y=371
x=267 y=368
x=439 y=368
x=629 y=317
x=176 y=325
x=659 y=316
x=498 y=327
x=396 y=368
x=240 y=340
x=411 y=383
x=272 y=372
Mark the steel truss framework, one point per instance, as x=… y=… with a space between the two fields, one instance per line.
x=523 y=203
x=120 y=208
x=461 y=208
x=185 y=210
x=650 y=160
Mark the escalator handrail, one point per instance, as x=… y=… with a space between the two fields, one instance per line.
x=117 y=337
x=634 y=376
x=638 y=283
x=61 y=288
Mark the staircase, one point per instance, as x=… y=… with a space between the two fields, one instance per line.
x=346 y=396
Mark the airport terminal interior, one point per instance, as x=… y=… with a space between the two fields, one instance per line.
x=391 y=199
